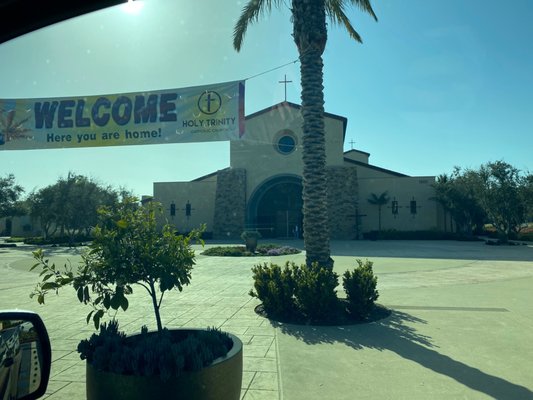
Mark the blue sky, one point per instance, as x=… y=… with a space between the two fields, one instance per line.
x=435 y=84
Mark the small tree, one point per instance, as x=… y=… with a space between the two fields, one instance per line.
x=70 y=204
x=250 y=239
x=127 y=250
x=379 y=201
x=9 y=194
x=497 y=192
x=527 y=196
x=457 y=193
x=41 y=206
x=500 y=192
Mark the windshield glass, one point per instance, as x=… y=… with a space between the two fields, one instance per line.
x=430 y=88
x=433 y=86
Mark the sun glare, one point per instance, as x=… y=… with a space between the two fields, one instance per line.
x=133 y=7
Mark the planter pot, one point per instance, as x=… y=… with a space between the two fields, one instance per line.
x=251 y=244
x=219 y=381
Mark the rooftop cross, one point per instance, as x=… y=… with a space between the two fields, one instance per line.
x=285 y=81
x=352 y=143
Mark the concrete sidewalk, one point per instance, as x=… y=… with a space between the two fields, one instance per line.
x=461 y=326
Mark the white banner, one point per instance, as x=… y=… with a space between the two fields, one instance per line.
x=196 y=114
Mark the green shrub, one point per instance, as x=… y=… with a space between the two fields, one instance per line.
x=360 y=286
x=265 y=247
x=59 y=240
x=166 y=354
x=15 y=239
x=309 y=292
x=270 y=250
x=274 y=286
x=527 y=236
x=315 y=291
x=225 y=251
x=281 y=251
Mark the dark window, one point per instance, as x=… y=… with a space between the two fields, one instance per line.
x=286 y=144
x=395 y=207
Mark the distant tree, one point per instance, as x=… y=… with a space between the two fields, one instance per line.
x=42 y=205
x=458 y=196
x=501 y=191
x=71 y=204
x=527 y=196
x=20 y=208
x=379 y=201
x=9 y=195
x=497 y=193
x=84 y=198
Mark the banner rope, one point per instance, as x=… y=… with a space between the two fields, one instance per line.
x=273 y=69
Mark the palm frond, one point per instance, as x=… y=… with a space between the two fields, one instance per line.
x=373 y=199
x=382 y=199
x=12 y=128
x=365 y=6
x=20 y=123
x=335 y=10
x=250 y=14
x=10 y=117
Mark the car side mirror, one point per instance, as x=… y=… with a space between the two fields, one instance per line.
x=25 y=355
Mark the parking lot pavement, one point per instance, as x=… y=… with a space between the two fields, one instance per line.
x=460 y=326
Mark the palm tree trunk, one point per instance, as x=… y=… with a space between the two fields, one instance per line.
x=310 y=36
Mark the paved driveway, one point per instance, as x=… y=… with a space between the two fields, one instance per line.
x=461 y=326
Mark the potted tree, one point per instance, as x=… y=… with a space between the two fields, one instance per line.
x=127 y=251
x=250 y=239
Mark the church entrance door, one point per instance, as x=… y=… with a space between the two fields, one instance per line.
x=276 y=208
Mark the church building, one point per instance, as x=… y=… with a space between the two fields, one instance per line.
x=262 y=187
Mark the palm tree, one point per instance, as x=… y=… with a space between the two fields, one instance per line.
x=10 y=128
x=379 y=201
x=310 y=36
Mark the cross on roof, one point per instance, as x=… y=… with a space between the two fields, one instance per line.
x=352 y=143
x=285 y=81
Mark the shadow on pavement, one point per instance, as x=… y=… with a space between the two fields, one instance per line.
x=394 y=335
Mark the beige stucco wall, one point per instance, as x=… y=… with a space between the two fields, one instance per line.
x=23 y=226
x=402 y=189
x=201 y=195
x=365 y=173
x=357 y=155
x=256 y=151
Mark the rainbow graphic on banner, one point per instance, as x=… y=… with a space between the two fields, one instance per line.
x=195 y=114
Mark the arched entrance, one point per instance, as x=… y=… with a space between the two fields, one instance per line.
x=275 y=207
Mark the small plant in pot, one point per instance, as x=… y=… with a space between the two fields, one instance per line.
x=250 y=239
x=128 y=251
